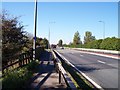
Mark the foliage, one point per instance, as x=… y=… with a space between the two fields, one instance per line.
x=93 y=44
x=60 y=42
x=18 y=78
x=13 y=37
x=106 y=44
x=32 y=66
x=42 y=42
x=76 y=39
x=88 y=37
x=110 y=44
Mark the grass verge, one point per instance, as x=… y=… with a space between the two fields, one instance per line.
x=18 y=78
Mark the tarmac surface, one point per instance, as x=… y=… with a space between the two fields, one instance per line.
x=47 y=78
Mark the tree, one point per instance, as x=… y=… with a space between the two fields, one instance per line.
x=76 y=39
x=110 y=43
x=42 y=42
x=88 y=37
x=60 y=43
x=13 y=37
x=45 y=43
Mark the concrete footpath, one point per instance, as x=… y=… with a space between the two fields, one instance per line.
x=47 y=78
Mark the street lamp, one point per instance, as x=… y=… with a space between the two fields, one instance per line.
x=103 y=29
x=35 y=27
x=49 y=34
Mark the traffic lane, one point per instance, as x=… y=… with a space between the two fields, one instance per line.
x=85 y=63
x=101 y=59
x=105 y=60
x=104 y=75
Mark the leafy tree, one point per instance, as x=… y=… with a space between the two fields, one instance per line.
x=76 y=39
x=110 y=44
x=94 y=44
x=60 y=42
x=13 y=37
x=45 y=43
x=42 y=42
x=88 y=37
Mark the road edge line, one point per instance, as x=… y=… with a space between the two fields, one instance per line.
x=88 y=78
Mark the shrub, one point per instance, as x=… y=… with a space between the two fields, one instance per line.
x=110 y=44
x=19 y=77
x=32 y=66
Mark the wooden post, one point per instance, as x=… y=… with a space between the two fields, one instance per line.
x=20 y=61
x=59 y=77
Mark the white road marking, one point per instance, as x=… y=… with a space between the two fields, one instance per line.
x=101 y=61
x=81 y=55
x=88 y=78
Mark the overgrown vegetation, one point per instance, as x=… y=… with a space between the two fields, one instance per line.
x=15 y=40
x=18 y=79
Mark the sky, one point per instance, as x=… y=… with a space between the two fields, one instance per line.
x=69 y=17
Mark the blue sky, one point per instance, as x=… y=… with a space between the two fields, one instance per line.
x=69 y=17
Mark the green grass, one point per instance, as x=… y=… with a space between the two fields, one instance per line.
x=18 y=78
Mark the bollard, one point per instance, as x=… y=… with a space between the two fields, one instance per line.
x=59 y=77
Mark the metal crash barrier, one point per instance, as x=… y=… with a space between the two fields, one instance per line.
x=63 y=73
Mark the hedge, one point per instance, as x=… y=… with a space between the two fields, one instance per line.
x=105 y=44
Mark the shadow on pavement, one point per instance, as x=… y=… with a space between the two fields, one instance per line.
x=47 y=77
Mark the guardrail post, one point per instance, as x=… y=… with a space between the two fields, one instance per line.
x=59 y=77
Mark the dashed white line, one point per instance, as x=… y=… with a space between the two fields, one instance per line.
x=81 y=55
x=101 y=62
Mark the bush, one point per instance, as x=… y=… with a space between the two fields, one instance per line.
x=106 y=44
x=32 y=66
x=94 y=44
x=110 y=44
x=15 y=79
x=19 y=77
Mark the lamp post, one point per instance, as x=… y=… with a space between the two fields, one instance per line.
x=103 y=29
x=49 y=34
x=35 y=27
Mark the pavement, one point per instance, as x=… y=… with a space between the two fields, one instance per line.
x=103 y=70
x=47 y=78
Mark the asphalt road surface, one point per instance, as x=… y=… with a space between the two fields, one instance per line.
x=102 y=70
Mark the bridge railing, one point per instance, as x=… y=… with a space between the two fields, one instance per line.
x=62 y=72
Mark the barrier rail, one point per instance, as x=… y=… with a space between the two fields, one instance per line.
x=62 y=72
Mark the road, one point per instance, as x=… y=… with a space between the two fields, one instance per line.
x=102 y=70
